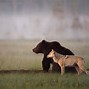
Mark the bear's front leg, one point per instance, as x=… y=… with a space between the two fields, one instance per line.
x=45 y=64
x=56 y=67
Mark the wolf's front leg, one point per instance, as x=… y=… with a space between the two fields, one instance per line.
x=62 y=70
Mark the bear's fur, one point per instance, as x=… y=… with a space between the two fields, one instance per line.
x=45 y=47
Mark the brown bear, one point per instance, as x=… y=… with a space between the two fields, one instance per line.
x=45 y=47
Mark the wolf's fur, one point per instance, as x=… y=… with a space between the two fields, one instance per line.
x=68 y=60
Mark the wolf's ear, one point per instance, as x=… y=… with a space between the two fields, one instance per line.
x=52 y=50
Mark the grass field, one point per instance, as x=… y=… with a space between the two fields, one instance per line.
x=18 y=55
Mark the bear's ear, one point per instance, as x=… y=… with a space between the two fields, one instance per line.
x=43 y=41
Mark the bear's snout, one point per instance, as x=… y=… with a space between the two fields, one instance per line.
x=33 y=50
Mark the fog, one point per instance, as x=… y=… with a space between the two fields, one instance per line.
x=44 y=19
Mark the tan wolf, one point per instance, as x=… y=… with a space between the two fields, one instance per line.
x=68 y=60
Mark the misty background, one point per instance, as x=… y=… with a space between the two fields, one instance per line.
x=44 y=19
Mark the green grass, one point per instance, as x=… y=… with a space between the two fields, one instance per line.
x=17 y=55
x=43 y=81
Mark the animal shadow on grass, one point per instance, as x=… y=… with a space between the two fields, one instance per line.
x=30 y=71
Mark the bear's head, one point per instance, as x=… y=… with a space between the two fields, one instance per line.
x=40 y=47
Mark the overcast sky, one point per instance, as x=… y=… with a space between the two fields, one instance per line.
x=6 y=6
x=35 y=19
